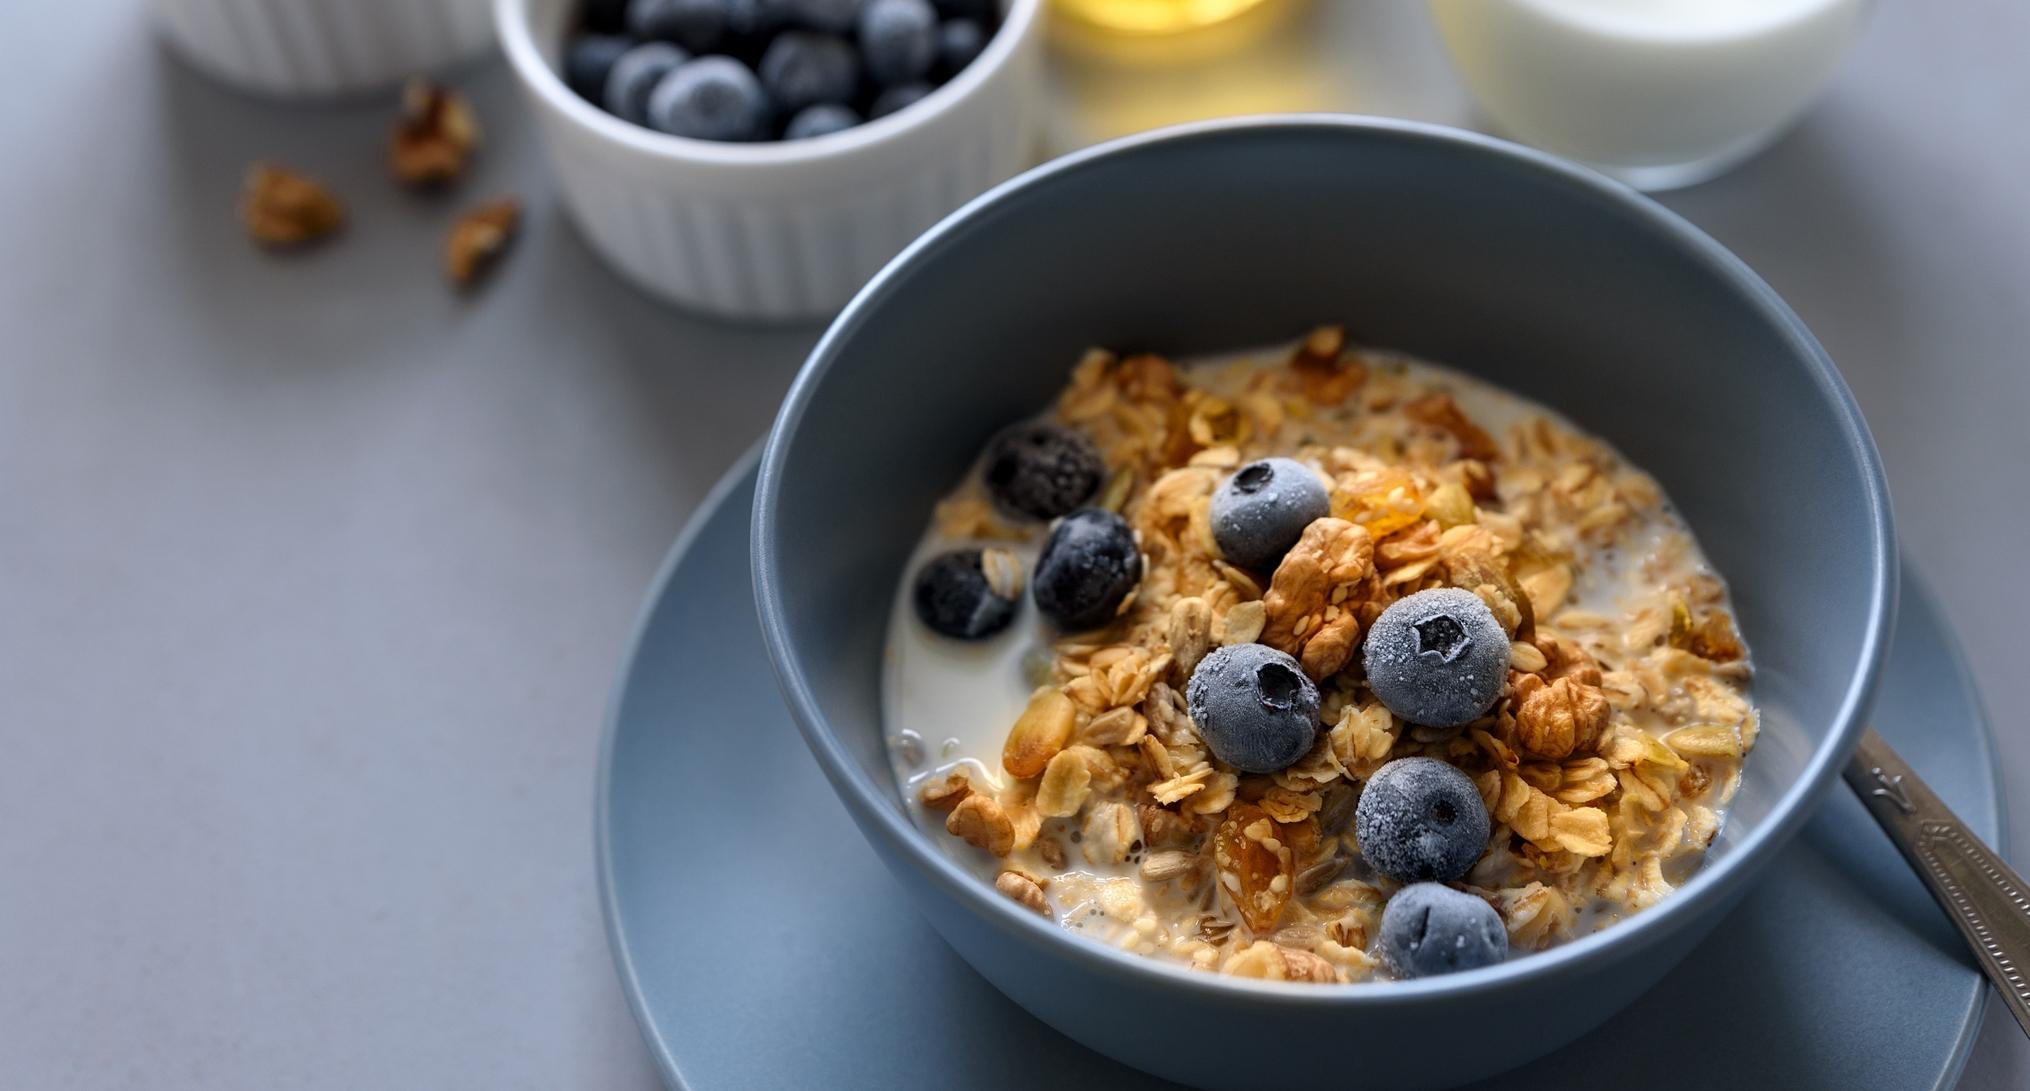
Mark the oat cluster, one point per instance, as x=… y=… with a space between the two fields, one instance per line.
x=1605 y=764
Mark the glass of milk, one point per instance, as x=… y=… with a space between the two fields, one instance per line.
x=1657 y=93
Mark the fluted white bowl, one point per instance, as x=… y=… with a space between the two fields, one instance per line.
x=780 y=230
x=323 y=48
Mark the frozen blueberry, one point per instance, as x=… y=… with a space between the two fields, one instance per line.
x=958 y=42
x=1254 y=707
x=1432 y=929
x=1261 y=511
x=1420 y=819
x=697 y=25
x=590 y=60
x=836 y=16
x=635 y=74
x=803 y=68
x=1042 y=470
x=1089 y=565
x=898 y=39
x=710 y=98
x=1438 y=657
x=954 y=597
x=896 y=98
x=605 y=16
x=823 y=119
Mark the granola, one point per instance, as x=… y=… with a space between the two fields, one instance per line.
x=1086 y=793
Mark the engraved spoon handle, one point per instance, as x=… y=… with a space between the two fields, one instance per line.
x=1988 y=902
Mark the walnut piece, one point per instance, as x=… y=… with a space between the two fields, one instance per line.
x=981 y=823
x=943 y=795
x=434 y=135
x=1313 y=597
x=1558 y=719
x=1273 y=962
x=478 y=239
x=1565 y=659
x=1023 y=891
x=282 y=208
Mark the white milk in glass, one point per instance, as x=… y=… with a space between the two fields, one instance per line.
x=1659 y=93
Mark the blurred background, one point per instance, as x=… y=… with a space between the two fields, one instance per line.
x=314 y=574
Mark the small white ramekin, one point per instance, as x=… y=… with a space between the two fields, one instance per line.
x=783 y=230
x=323 y=48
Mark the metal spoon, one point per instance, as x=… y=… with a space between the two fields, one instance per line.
x=1987 y=901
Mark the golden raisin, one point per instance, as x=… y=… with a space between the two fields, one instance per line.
x=1383 y=500
x=1257 y=864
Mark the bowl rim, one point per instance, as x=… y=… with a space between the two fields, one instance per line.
x=873 y=805
x=513 y=21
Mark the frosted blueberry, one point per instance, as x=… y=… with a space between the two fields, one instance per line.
x=958 y=42
x=590 y=59
x=823 y=119
x=635 y=73
x=710 y=98
x=1088 y=566
x=1432 y=929
x=1420 y=819
x=1041 y=470
x=1262 y=509
x=898 y=39
x=802 y=68
x=1438 y=657
x=697 y=25
x=1254 y=707
x=954 y=597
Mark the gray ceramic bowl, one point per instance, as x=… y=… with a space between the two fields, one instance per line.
x=1502 y=261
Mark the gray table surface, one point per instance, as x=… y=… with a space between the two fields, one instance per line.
x=316 y=577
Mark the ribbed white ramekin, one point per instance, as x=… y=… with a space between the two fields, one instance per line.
x=313 y=48
x=781 y=230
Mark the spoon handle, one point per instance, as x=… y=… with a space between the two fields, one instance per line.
x=1988 y=902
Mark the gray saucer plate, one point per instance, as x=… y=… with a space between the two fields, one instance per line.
x=763 y=945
